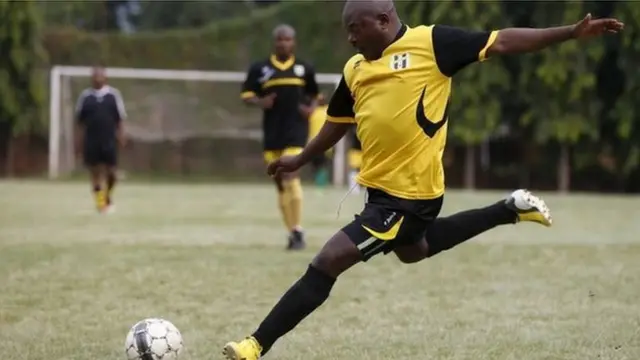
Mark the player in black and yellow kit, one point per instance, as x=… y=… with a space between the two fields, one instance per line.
x=316 y=121
x=286 y=89
x=397 y=91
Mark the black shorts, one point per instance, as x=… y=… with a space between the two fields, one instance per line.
x=388 y=221
x=100 y=155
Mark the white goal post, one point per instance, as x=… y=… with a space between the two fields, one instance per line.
x=61 y=128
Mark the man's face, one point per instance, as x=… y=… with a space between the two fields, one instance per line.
x=367 y=34
x=98 y=77
x=284 y=44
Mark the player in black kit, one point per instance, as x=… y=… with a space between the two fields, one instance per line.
x=286 y=89
x=99 y=115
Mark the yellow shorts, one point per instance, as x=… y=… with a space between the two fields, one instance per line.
x=272 y=155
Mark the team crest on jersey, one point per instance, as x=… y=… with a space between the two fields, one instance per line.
x=298 y=70
x=267 y=73
x=400 y=61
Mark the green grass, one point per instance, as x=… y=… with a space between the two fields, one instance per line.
x=210 y=259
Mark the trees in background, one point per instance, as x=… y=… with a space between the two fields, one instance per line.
x=566 y=116
x=21 y=96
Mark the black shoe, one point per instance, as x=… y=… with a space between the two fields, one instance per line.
x=296 y=240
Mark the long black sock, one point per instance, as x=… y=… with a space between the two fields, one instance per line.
x=446 y=232
x=306 y=295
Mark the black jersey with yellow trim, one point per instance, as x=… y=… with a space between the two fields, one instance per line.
x=400 y=105
x=293 y=82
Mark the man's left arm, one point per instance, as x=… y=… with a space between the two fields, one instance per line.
x=121 y=112
x=456 y=48
x=311 y=90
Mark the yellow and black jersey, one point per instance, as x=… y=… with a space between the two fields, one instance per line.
x=294 y=83
x=400 y=106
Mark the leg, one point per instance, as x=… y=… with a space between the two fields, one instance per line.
x=293 y=187
x=92 y=162
x=447 y=232
x=345 y=249
x=111 y=161
x=306 y=295
x=283 y=196
x=97 y=172
x=320 y=170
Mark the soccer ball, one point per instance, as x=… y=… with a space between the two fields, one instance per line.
x=153 y=339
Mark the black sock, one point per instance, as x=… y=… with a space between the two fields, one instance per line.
x=306 y=295
x=446 y=232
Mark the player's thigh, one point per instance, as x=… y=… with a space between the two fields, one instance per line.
x=414 y=245
x=337 y=255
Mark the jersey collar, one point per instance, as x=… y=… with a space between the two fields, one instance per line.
x=282 y=66
x=400 y=34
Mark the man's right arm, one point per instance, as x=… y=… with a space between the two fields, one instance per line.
x=251 y=88
x=80 y=118
x=340 y=118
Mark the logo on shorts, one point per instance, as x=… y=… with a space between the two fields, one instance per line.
x=390 y=218
x=298 y=70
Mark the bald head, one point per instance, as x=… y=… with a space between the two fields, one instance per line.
x=372 y=25
x=354 y=9
x=284 y=41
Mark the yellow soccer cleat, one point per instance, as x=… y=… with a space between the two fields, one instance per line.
x=247 y=349
x=529 y=207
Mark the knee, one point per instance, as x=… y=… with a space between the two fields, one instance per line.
x=338 y=255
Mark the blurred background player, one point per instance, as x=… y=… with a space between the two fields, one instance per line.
x=99 y=114
x=355 y=160
x=319 y=163
x=286 y=89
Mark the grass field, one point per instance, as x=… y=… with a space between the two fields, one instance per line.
x=210 y=258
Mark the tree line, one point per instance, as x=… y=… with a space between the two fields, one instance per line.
x=569 y=112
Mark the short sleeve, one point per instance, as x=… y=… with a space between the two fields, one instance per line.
x=340 y=108
x=251 y=86
x=456 y=48
x=120 y=109
x=310 y=84
x=80 y=108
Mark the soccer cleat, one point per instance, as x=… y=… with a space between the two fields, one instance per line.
x=296 y=240
x=529 y=207
x=247 y=349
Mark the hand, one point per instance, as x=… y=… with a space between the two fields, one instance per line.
x=305 y=110
x=267 y=101
x=285 y=164
x=589 y=27
x=122 y=141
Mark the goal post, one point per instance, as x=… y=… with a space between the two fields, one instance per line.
x=166 y=106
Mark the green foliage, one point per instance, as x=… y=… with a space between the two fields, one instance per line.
x=21 y=94
x=476 y=102
x=561 y=82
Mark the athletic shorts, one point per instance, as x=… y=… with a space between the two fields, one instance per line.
x=388 y=221
x=100 y=155
x=272 y=155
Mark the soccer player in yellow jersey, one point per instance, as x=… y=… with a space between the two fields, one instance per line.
x=397 y=90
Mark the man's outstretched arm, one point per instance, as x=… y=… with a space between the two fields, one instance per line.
x=456 y=48
x=523 y=40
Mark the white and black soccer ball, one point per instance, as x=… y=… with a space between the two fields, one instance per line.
x=153 y=339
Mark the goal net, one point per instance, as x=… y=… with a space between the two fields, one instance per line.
x=180 y=123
